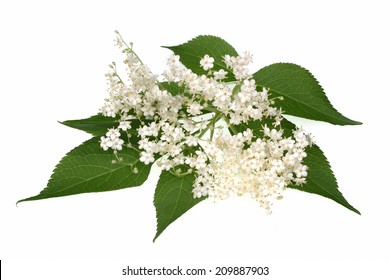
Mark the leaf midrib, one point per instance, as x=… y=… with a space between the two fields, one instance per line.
x=344 y=203
x=84 y=181
x=306 y=105
x=177 y=200
x=333 y=197
x=178 y=196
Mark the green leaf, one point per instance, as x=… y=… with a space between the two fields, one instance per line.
x=172 y=198
x=96 y=125
x=87 y=168
x=172 y=87
x=320 y=179
x=302 y=94
x=194 y=50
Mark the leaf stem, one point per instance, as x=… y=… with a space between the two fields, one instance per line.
x=116 y=73
x=211 y=109
x=132 y=147
x=237 y=88
x=230 y=125
x=129 y=48
x=212 y=131
x=216 y=118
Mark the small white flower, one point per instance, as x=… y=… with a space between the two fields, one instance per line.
x=173 y=59
x=105 y=143
x=195 y=109
x=245 y=58
x=207 y=62
x=113 y=133
x=220 y=75
x=124 y=125
x=249 y=86
x=228 y=60
x=310 y=139
x=117 y=144
x=264 y=94
x=118 y=41
x=191 y=140
x=235 y=118
x=146 y=157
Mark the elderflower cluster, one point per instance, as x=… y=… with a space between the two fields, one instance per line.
x=241 y=165
x=187 y=123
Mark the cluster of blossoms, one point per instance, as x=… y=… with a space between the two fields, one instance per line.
x=188 y=123
x=262 y=168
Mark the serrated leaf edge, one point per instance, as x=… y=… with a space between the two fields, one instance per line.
x=324 y=97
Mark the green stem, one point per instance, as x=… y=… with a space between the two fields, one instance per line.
x=211 y=109
x=179 y=174
x=230 y=125
x=134 y=148
x=128 y=47
x=212 y=131
x=236 y=89
x=116 y=73
x=120 y=80
x=210 y=124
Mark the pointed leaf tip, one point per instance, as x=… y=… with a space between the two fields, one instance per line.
x=96 y=125
x=172 y=198
x=88 y=168
x=302 y=95
x=320 y=179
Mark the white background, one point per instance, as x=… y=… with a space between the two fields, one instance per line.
x=53 y=59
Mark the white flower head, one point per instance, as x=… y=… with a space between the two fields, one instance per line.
x=117 y=144
x=195 y=109
x=113 y=133
x=124 y=125
x=192 y=121
x=207 y=62
x=220 y=75
x=105 y=143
